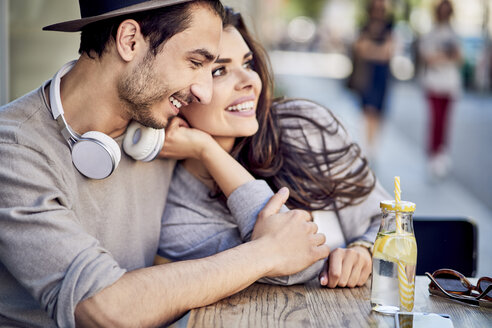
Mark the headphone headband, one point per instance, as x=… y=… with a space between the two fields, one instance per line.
x=55 y=98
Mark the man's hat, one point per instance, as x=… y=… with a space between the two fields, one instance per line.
x=96 y=10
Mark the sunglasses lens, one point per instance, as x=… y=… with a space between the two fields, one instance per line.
x=451 y=283
x=483 y=285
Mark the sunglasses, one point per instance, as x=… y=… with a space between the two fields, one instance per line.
x=452 y=284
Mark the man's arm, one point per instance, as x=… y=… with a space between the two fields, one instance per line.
x=156 y=295
x=282 y=244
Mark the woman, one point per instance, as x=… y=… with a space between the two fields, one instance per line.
x=372 y=53
x=441 y=54
x=243 y=145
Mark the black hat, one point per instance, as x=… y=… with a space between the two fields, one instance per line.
x=96 y=10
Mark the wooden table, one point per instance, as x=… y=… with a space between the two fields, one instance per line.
x=310 y=305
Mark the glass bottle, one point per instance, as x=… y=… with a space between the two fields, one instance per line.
x=394 y=259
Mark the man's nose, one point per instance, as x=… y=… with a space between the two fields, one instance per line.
x=203 y=89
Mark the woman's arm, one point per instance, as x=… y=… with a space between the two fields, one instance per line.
x=185 y=142
x=211 y=231
x=208 y=229
x=246 y=196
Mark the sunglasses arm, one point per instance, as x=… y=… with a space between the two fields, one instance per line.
x=485 y=292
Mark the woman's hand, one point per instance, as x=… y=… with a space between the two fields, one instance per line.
x=346 y=267
x=184 y=142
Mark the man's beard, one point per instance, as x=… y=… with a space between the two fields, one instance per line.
x=140 y=90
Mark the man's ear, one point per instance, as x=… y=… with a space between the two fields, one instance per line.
x=129 y=39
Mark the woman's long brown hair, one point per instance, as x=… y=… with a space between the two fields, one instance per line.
x=317 y=179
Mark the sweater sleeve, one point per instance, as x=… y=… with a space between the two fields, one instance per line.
x=209 y=226
x=245 y=203
x=204 y=227
x=42 y=245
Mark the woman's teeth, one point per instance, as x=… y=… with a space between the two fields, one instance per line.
x=245 y=106
x=175 y=102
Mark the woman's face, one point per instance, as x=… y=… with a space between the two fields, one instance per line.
x=236 y=89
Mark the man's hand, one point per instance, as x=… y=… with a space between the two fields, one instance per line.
x=346 y=267
x=182 y=141
x=294 y=243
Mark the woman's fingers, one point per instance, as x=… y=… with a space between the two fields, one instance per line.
x=323 y=275
x=349 y=262
x=334 y=267
x=356 y=273
x=346 y=268
x=365 y=273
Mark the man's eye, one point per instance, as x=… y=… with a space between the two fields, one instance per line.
x=218 y=71
x=196 y=63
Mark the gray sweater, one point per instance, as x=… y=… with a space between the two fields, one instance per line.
x=195 y=225
x=64 y=237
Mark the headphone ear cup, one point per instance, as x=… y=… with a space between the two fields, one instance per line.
x=143 y=143
x=96 y=155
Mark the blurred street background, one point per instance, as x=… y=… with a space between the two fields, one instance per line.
x=310 y=44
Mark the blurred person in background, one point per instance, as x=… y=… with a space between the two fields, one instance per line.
x=372 y=52
x=442 y=57
x=253 y=145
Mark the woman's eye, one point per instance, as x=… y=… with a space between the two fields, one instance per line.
x=249 y=64
x=219 y=71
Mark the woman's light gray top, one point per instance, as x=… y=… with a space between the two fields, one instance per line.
x=194 y=225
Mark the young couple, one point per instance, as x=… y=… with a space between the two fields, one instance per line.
x=79 y=251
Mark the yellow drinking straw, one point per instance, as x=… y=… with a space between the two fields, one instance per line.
x=405 y=288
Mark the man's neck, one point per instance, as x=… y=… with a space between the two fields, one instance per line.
x=90 y=98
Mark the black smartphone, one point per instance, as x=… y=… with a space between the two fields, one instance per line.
x=422 y=320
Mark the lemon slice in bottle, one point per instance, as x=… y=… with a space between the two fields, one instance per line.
x=396 y=247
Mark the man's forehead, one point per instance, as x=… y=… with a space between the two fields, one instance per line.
x=202 y=36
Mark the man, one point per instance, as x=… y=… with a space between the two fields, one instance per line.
x=78 y=251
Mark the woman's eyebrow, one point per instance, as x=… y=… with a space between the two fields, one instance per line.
x=223 y=60
x=228 y=60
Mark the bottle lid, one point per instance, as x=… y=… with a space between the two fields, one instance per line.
x=403 y=206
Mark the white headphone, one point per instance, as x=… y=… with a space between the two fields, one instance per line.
x=95 y=154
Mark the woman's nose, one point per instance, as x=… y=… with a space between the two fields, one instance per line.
x=245 y=79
